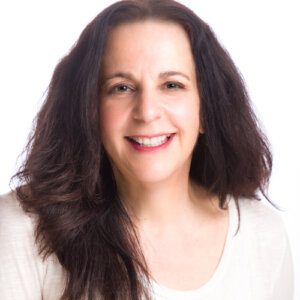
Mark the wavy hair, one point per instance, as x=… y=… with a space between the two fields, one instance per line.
x=66 y=179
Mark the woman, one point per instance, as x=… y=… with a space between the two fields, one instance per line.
x=143 y=172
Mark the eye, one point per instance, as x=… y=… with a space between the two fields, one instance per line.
x=173 y=85
x=120 y=88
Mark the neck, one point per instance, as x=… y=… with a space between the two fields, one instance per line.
x=164 y=203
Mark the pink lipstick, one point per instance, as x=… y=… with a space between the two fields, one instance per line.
x=142 y=148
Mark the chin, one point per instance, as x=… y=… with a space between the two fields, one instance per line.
x=151 y=177
x=150 y=174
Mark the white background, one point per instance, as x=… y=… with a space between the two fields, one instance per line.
x=262 y=37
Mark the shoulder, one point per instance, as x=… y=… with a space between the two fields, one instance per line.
x=17 y=229
x=262 y=234
x=264 y=244
x=261 y=218
x=23 y=273
x=14 y=222
x=263 y=225
x=21 y=270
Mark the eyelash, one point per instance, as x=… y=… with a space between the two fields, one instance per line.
x=114 y=88
x=177 y=84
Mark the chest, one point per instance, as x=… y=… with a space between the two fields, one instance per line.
x=185 y=260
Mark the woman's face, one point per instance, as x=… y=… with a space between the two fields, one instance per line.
x=148 y=88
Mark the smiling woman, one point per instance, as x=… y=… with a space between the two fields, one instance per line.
x=159 y=110
x=143 y=172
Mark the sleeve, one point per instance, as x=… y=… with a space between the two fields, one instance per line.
x=283 y=286
x=21 y=268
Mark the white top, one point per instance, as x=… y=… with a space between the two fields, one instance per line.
x=256 y=263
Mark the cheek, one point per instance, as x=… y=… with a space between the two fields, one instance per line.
x=187 y=115
x=111 y=119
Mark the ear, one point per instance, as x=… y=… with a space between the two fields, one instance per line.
x=201 y=120
x=201 y=128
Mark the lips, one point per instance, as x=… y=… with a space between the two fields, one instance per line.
x=148 y=135
x=150 y=142
x=145 y=144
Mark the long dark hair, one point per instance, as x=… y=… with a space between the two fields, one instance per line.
x=67 y=180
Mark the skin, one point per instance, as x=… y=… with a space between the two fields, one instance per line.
x=147 y=99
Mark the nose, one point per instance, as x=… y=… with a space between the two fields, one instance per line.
x=147 y=106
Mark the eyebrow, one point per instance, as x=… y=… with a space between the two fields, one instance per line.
x=131 y=77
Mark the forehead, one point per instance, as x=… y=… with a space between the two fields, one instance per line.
x=147 y=26
x=152 y=42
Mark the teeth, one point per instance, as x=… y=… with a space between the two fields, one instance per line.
x=151 y=142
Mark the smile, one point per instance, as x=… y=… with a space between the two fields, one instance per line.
x=147 y=143
x=150 y=142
